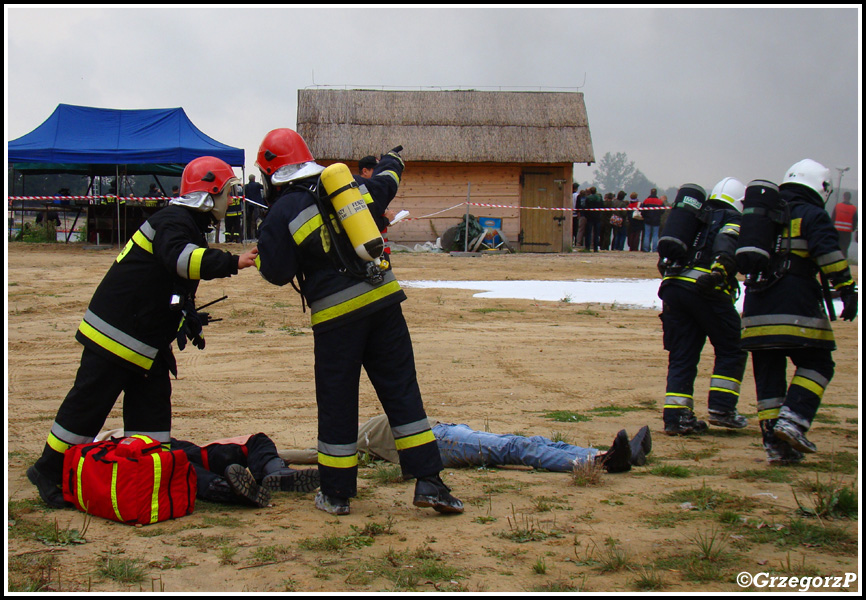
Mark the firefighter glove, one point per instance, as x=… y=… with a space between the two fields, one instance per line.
x=191 y=327
x=709 y=282
x=849 y=303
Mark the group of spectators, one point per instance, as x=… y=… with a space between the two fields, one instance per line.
x=637 y=224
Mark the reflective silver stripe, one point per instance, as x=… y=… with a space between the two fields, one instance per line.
x=770 y=403
x=799 y=320
x=790 y=415
x=754 y=249
x=354 y=291
x=679 y=400
x=118 y=336
x=798 y=244
x=725 y=384
x=148 y=230
x=828 y=259
x=392 y=174
x=337 y=449
x=305 y=215
x=163 y=437
x=69 y=437
x=183 y=260
x=410 y=428
x=813 y=376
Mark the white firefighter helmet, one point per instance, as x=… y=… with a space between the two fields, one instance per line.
x=730 y=190
x=811 y=174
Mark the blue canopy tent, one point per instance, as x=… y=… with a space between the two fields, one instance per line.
x=99 y=141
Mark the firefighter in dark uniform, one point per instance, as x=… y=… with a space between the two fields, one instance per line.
x=233 y=215
x=356 y=322
x=698 y=294
x=784 y=317
x=145 y=301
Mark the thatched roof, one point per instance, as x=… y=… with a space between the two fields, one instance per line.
x=447 y=126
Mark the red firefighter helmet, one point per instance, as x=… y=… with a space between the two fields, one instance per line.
x=205 y=185
x=284 y=156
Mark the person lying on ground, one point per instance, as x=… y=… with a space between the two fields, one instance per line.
x=461 y=446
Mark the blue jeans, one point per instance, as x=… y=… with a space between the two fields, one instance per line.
x=651 y=238
x=461 y=446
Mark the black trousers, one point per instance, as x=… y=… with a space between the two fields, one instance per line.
x=233 y=228
x=98 y=384
x=800 y=399
x=688 y=319
x=379 y=343
x=210 y=461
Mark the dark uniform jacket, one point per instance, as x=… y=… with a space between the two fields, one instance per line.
x=789 y=313
x=719 y=241
x=294 y=242
x=129 y=319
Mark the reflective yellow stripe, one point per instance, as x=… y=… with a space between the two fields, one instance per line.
x=792 y=330
x=835 y=267
x=355 y=303
x=770 y=413
x=810 y=385
x=307 y=228
x=57 y=444
x=338 y=462
x=258 y=262
x=114 y=347
x=157 y=481
x=143 y=437
x=677 y=406
x=419 y=439
x=726 y=390
x=124 y=252
x=114 y=493
x=139 y=238
x=195 y=263
x=78 y=472
x=392 y=174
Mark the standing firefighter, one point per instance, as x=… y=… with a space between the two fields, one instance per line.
x=145 y=300
x=783 y=314
x=698 y=292
x=356 y=315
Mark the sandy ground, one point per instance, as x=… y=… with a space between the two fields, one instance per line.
x=499 y=365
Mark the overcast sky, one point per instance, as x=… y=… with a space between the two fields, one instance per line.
x=690 y=95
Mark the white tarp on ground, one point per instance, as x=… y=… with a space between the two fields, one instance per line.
x=624 y=293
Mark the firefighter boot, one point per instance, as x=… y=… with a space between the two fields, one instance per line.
x=244 y=485
x=683 y=422
x=794 y=434
x=730 y=419
x=219 y=491
x=280 y=478
x=49 y=491
x=332 y=504
x=618 y=458
x=778 y=451
x=431 y=492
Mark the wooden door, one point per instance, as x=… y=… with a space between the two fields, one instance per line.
x=541 y=229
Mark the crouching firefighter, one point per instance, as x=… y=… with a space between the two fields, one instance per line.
x=144 y=300
x=788 y=242
x=698 y=292
x=312 y=234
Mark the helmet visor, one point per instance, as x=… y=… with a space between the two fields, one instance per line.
x=288 y=173
x=221 y=200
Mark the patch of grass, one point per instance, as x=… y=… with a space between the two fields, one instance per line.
x=670 y=519
x=525 y=528
x=771 y=474
x=291 y=330
x=686 y=453
x=548 y=503
x=829 y=499
x=711 y=545
x=336 y=543
x=675 y=471
x=803 y=532
x=825 y=418
x=31 y=572
x=648 y=579
x=612 y=557
x=837 y=462
x=256 y=331
x=383 y=473
x=170 y=562
x=271 y=554
x=203 y=543
x=839 y=405
x=407 y=570
x=706 y=498
x=540 y=566
x=566 y=416
x=223 y=521
x=560 y=586
x=613 y=411
x=226 y=554
x=120 y=569
x=587 y=473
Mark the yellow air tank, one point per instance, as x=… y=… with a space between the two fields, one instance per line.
x=352 y=212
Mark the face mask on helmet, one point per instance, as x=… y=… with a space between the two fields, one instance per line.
x=812 y=175
x=216 y=204
x=731 y=191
